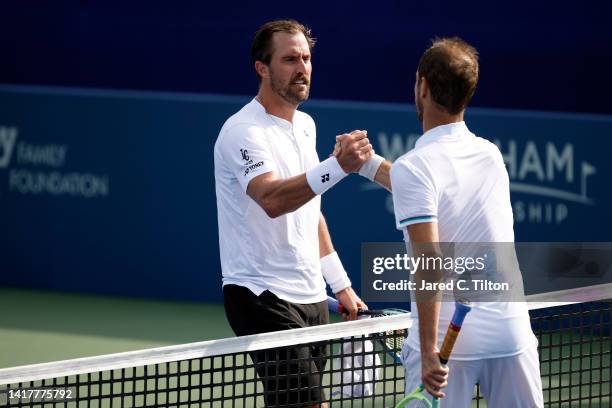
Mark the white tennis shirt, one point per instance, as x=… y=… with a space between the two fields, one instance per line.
x=460 y=181
x=258 y=252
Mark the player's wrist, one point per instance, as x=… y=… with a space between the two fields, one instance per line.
x=370 y=168
x=429 y=349
x=343 y=291
x=334 y=273
x=325 y=175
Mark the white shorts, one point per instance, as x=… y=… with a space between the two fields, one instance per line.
x=505 y=382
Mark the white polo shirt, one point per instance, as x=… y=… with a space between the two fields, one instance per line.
x=258 y=252
x=460 y=181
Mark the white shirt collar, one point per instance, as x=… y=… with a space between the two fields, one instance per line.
x=451 y=130
x=285 y=124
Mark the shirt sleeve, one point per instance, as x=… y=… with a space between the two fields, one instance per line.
x=246 y=153
x=414 y=195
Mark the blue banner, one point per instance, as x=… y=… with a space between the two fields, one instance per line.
x=113 y=191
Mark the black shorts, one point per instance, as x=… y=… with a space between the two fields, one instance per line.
x=291 y=376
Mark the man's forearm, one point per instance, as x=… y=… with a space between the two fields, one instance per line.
x=325 y=243
x=333 y=272
x=429 y=315
x=285 y=195
x=383 y=175
x=424 y=241
x=281 y=196
x=428 y=305
x=427 y=294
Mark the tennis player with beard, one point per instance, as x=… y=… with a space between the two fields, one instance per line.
x=276 y=250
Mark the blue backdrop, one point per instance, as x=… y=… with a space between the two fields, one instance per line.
x=544 y=55
x=113 y=192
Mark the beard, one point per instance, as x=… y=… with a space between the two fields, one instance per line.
x=286 y=90
x=419 y=110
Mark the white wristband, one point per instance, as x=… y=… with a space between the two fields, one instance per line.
x=369 y=168
x=334 y=272
x=324 y=175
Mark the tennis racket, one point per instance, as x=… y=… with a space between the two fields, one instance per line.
x=391 y=341
x=462 y=308
x=337 y=307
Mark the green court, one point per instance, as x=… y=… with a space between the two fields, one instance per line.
x=42 y=326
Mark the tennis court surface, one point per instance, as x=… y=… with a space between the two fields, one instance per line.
x=573 y=329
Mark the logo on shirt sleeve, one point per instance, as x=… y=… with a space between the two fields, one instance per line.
x=245 y=154
x=248 y=162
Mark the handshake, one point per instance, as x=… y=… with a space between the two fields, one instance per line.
x=352 y=150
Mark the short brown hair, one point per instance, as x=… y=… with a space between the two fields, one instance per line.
x=261 y=50
x=450 y=67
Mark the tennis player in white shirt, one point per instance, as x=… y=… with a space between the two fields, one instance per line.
x=276 y=251
x=453 y=187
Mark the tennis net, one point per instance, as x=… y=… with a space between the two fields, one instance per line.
x=346 y=364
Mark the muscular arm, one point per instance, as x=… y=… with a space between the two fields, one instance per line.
x=424 y=241
x=280 y=196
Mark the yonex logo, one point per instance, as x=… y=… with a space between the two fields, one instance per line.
x=325 y=177
x=253 y=167
x=8 y=137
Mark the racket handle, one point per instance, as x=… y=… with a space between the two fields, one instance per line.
x=333 y=305
x=462 y=308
